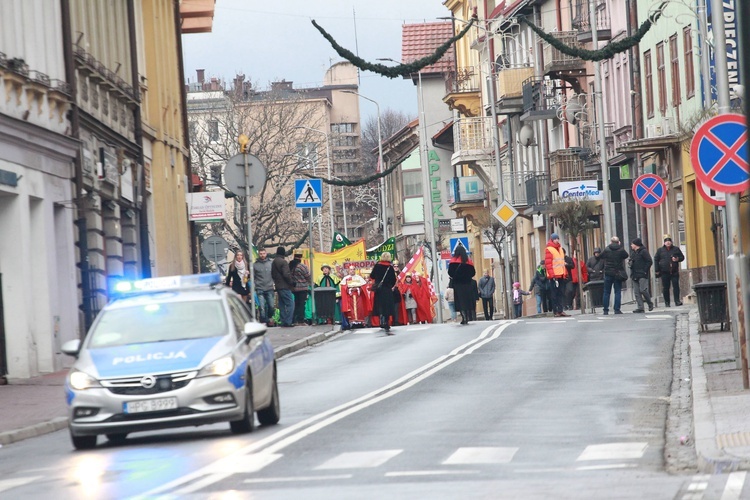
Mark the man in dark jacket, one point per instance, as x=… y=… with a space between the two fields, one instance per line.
x=282 y=280
x=264 y=286
x=301 y=288
x=487 y=294
x=640 y=266
x=614 y=273
x=667 y=265
x=595 y=265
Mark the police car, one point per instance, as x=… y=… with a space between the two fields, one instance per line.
x=170 y=352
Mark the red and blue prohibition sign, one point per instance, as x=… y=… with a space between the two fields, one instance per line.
x=719 y=152
x=649 y=190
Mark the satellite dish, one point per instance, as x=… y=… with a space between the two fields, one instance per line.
x=526 y=136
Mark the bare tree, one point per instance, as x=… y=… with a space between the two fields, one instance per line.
x=391 y=121
x=273 y=122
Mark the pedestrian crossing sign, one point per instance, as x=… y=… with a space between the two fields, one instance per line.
x=462 y=241
x=308 y=193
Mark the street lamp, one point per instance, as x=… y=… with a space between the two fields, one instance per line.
x=328 y=159
x=383 y=214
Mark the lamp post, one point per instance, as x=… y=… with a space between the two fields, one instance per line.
x=330 y=189
x=383 y=214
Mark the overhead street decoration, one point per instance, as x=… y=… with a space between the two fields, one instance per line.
x=649 y=190
x=719 y=151
x=308 y=193
x=505 y=213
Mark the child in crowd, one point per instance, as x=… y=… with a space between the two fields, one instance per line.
x=518 y=299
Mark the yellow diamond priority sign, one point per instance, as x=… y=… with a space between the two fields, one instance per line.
x=505 y=213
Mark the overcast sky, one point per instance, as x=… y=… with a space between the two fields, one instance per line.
x=270 y=41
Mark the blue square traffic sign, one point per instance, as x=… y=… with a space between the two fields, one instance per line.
x=308 y=193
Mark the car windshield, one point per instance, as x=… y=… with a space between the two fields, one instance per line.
x=159 y=322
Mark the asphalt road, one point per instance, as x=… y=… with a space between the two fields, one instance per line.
x=541 y=408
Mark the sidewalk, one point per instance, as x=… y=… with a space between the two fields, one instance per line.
x=36 y=406
x=720 y=404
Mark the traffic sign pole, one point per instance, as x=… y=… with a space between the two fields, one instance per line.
x=737 y=264
x=250 y=258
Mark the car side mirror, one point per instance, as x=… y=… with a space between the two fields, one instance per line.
x=253 y=329
x=71 y=347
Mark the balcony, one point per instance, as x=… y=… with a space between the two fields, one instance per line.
x=555 y=62
x=462 y=91
x=590 y=151
x=472 y=140
x=566 y=165
x=539 y=99
x=582 y=21
x=467 y=189
x=510 y=88
x=526 y=189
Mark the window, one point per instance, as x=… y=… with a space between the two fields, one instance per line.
x=412 y=180
x=345 y=140
x=674 y=68
x=216 y=174
x=661 y=77
x=213 y=131
x=342 y=128
x=649 y=83
x=687 y=42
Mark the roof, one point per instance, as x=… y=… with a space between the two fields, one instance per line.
x=421 y=40
x=197 y=16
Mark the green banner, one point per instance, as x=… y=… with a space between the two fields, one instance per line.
x=388 y=245
x=339 y=241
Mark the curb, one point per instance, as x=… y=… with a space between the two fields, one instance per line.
x=59 y=423
x=310 y=340
x=711 y=459
x=31 y=431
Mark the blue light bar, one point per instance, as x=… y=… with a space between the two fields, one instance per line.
x=167 y=283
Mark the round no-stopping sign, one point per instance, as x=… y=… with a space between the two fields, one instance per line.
x=719 y=152
x=649 y=190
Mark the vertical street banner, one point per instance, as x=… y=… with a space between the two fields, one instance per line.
x=339 y=241
x=388 y=245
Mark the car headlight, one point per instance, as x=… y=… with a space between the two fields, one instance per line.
x=80 y=381
x=220 y=367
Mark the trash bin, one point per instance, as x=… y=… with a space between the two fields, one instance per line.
x=325 y=302
x=712 y=303
x=595 y=291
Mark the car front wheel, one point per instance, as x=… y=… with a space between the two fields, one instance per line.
x=247 y=422
x=272 y=414
x=83 y=442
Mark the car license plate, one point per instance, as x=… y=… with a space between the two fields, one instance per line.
x=146 y=405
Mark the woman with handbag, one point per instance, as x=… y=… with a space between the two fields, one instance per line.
x=461 y=271
x=383 y=278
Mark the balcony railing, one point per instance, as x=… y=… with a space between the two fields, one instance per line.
x=510 y=81
x=556 y=61
x=463 y=80
x=582 y=20
x=526 y=189
x=539 y=99
x=565 y=165
x=472 y=135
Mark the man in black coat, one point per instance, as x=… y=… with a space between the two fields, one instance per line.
x=595 y=265
x=614 y=273
x=667 y=265
x=640 y=266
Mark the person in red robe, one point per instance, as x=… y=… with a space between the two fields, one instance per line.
x=424 y=302
x=355 y=302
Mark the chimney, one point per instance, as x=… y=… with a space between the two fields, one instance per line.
x=201 y=75
x=238 y=82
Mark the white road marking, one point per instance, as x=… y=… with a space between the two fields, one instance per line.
x=407 y=473
x=613 y=451
x=364 y=330
x=734 y=485
x=7 y=484
x=482 y=455
x=297 y=479
x=245 y=464
x=659 y=316
x=697 y=486
x=417 y=328
x=359 y=459
x=606 y=467
x=300 y=430
x=652 y=319
x=590 y=320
